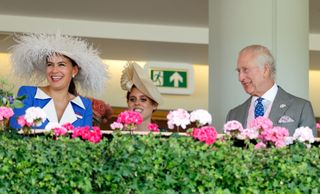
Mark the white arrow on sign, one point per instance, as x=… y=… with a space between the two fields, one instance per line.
x=176 y=78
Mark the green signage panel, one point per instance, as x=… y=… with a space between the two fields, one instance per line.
x=170 y=78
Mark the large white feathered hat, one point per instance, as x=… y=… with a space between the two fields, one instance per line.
x=134 y=75
x=29 y=55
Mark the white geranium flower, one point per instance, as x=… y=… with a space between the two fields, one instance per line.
x=201 y=116
x=304 y=135
x=35 y=115
x=178 y=117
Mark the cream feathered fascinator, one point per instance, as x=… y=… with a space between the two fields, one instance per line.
x=134 y=75
x=29 y=55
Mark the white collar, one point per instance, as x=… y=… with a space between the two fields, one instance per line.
x=69 y=116
x=42 y=95
x=270 y=94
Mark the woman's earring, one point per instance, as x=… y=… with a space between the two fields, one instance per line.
x=73 y=76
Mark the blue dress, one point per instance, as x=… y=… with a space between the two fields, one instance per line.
x=78 y=112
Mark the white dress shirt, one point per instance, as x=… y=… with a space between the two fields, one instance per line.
x=268 y=99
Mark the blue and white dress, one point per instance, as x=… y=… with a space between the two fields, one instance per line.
x=78 y=111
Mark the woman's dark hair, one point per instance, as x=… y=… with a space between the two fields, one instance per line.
x=72 y=86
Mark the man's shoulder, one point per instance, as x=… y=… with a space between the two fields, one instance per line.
x=241 y=107
x=289 y=96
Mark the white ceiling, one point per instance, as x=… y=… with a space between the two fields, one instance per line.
x=193 y=13
x=167 y=12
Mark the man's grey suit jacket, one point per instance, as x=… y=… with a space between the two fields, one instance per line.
x=287 y=111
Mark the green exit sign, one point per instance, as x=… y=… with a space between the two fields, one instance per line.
x=170 y=78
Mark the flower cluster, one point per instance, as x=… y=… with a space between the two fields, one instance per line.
x=5 y=114
x=181 y=118
x=60 y=130
x=7 y=103
x=94 y=135
x=153 y=127
x=34 y=117
x=127 y=120
x=233 y=128
x=205 y=134
x=261 y=129
x=304 y=135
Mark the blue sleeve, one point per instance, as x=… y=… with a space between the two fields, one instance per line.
x=29 y=92
x=88 y=113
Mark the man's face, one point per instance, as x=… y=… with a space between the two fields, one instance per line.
x=251 y=76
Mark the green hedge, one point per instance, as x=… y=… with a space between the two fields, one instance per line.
x=153 y=164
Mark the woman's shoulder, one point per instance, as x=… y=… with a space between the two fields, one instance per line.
x=27 y=90
x=86 y=101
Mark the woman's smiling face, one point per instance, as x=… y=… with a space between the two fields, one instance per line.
x=60 y=71
x=139 y=102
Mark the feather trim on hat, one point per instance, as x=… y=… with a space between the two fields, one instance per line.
x=29 y=55
x=134 y=75
x=126 y=77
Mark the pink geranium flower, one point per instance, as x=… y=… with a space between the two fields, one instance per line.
x=260 y=145
x=153 y=127
x=128 y=119
x=94 y=135
x=116 y=126
x=68 y=126
x=23 y=122
x=276 y=136
x=60 y=131
x=5 y=113
x=81 y=132
x=262 y=130
x=232 y=128
x=261 y=123
x=205 y=134
x=249 y=133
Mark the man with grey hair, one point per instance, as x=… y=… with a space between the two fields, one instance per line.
x=256 y=72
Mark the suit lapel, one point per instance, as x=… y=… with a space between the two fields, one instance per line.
x=245 y=110
x=280 y=105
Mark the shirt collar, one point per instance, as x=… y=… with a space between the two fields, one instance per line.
x=269 y=95
x=78 y=101
x=42 y=95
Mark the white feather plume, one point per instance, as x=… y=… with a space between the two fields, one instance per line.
x=28 y=58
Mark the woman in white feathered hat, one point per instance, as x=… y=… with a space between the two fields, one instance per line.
x=63 y=61
x=142 y=95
